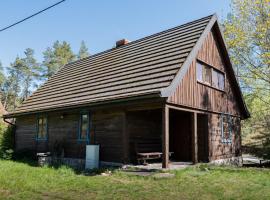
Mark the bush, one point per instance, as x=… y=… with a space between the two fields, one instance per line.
x=6 y=141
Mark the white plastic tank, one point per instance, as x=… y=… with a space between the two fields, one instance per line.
x=92 y=157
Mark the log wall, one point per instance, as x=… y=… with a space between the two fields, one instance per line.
x=144 y=130
x=106 y=130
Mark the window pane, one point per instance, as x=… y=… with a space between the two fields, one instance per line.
x=226 y=129
x=207 y=74
x=221 y=81
x=84 y=126
x=42 y=128
x=215 y=79
x=226 y=134
x=199 y=72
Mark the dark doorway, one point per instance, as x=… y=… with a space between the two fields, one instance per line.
x=180 y=135
x=202 y=127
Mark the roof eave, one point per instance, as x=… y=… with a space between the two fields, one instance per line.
x=155 y=94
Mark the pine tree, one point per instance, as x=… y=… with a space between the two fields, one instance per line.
x=56 y=57
x=31 y=72
x=13 y=84
x=2 y=76
x=83 y=52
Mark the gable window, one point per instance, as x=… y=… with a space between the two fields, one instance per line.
x=199 y=72
x=210 y=76
x=84 y=127
x=221 y=81
x=226 y=128
x=203 y=73
x=218 y=79
x=207 y=77
x=42 y=130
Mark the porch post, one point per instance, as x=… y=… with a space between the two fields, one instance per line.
x=194 y=138
x=165 y=136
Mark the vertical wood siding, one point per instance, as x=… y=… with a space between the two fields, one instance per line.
x=193 y=94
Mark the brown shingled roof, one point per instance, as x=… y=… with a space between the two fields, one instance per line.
x=141 y=67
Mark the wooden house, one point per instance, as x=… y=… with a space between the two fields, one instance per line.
x=174 y=91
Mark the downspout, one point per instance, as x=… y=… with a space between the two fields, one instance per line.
x=5 y=120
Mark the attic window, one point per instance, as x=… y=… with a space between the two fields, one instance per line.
x=218 y=79
x=204 y=73
x=210 y=76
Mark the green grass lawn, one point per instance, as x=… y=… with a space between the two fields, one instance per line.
x=21 y=181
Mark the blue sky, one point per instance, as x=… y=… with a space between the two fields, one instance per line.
x=98 y=22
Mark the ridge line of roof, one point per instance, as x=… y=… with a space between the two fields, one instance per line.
x=134 y=41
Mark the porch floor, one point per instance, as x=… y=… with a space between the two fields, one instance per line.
x=173 y=165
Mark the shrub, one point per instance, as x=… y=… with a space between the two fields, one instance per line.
x=6 y=141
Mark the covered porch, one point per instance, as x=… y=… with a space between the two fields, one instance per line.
x=185 y=133
x=178 y=135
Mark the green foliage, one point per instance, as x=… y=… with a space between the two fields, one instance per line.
x=31 y=73
x=83 y=52
x=6 y=141
x=2 y=76
x=247 y=32
x=12 y=86
x=56 y=57
x=25 y=74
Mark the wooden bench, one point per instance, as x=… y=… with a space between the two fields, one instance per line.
x=148 y=150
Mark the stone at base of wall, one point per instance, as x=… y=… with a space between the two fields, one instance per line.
x=72 y=162
x=110 y=164
x=236 y=161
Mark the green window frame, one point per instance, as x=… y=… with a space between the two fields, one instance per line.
x=226 y=128
x=42 y=127
x=84 y=127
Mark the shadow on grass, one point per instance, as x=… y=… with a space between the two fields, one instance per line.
x=32 y=161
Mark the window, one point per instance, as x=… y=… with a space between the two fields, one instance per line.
x=207 y=77
x=84 y=127
x=215 y=78
x=42 y=130
x=199 y=72
x=226 y=128
x=203 y=73
x=218 y=79
x=210 y=76
x=221 y=81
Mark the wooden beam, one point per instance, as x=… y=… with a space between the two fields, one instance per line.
x=165 y=136
x=194 y=138
x=176 y=107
